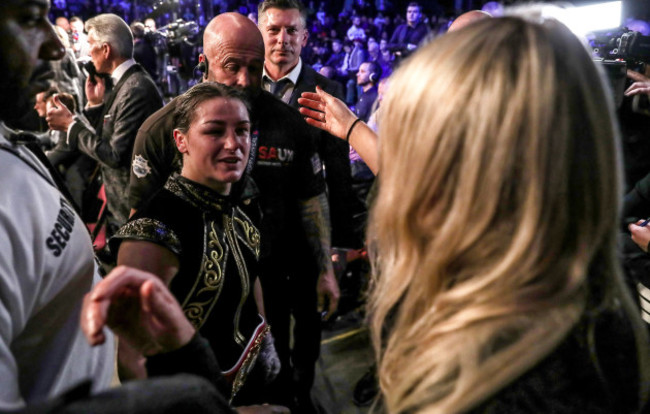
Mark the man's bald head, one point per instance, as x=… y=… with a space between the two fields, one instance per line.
x=234 y=50
x=468 y=18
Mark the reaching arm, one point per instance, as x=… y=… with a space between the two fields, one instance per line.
x=324 y=111
x=153 y=258
x=315 y=219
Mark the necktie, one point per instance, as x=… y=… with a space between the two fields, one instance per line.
x=278 y=88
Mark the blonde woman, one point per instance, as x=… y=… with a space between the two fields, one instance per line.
x=497 y=285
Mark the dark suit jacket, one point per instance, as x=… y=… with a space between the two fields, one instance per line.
x=334 y=153
x=107 y=133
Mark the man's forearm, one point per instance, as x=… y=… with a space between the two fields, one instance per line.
x=316 y=223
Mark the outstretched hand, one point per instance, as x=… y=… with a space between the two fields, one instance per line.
x=326 y=112
x=139 y=308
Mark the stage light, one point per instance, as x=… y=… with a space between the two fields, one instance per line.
x=591 y=18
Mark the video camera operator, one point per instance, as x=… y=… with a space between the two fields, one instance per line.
x=143 y=49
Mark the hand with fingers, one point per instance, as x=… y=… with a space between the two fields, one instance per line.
x=139 y=308
x=641 y=84
x=58 y=116
x=640 y=234
x=326 y=112
x=328 y=294
x=95 y=90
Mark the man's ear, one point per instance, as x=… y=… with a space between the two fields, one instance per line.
x=107 y=51
x=305 y=37
x=181 y=141
x=203 y=66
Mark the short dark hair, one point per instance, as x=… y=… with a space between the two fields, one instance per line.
x=68 y=101
x=199 y=93
x=376 y=69
x=282 y=5
x=138 y=30
x=414 y=4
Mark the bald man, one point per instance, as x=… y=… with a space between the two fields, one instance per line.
x=468 y=18
x=289 y=176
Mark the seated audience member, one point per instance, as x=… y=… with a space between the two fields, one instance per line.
x=367 y=78
x=497 y=281
x=195 y=236
x=356 y=31
x=328 y=71
x=336 y=58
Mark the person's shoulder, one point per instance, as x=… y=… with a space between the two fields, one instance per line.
x=329 y=85
x=266 y=105
x=140 y=82
x=162 y=119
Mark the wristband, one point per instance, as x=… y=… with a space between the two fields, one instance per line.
x=347 y=138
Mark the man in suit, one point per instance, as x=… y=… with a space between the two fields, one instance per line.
x=107 y=129
x=283 y=27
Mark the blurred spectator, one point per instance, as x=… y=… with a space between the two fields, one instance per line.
x=150 y=24
x=407 y=37
x=367 y=78
x=328 y=71
x=356 y=31
x=351 y=64
x=75 y=168
x=143 y=50
x=336 y=58
x=385 y=59
x=64 y=24
x=79 y=38
x=373 y=49
x=67 y=75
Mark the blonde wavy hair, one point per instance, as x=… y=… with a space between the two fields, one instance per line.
x=499 y=191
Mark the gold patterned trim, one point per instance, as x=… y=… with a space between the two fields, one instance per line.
x=243 y=276
x=241 y=371
x=248 y=234
x=151 y=230
x=211 y=274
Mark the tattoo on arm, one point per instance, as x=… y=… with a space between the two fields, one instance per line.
x=316 y=223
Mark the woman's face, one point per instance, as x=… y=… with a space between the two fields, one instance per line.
x=216 y=146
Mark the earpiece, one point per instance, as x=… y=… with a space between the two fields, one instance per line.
x=373 y=77
x=203 y=65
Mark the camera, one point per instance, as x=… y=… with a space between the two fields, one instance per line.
x=180 y=31
x=629 y=46
x=618 y=51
